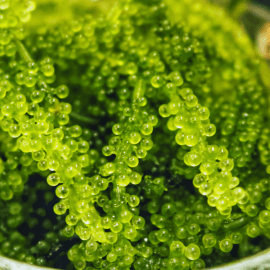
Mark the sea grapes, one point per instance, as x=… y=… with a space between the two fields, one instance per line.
x=159 y=152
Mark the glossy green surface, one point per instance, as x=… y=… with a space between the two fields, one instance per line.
x=150 y=125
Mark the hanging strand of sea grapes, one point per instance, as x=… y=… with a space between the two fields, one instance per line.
x=13 y=13
x=192 y=121
x=42 y=133
x=73 y=158
x=13 y=177
x=131 y=142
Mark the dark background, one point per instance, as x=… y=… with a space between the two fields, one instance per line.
x=265 y=2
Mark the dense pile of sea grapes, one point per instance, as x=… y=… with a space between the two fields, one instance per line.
x=159 y=154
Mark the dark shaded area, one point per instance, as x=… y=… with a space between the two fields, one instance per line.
x=58 y=253
x=256 y=241
x=34 y=192
x=252 y=24
x=39 y=202
x=234 y=251
x=180 y=180
x=264 y=2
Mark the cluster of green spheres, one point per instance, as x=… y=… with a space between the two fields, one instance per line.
x=150 y=125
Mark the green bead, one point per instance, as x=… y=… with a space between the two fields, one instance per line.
x=237 y=237
x=163 y=235
x=192 y=159
x=53 y=179
x=111 y=257
x=125 y=216
x=15 y=208
x=62 y=191
x=209 y=130
x=203 y=113
x=37 y=96
x=91 y=246
x=132 y=161
x=14 y=179
x=226 y=245
x=226 y=164
x=267 y=203
x=192 y=252
x=207 y=168
x=197 y=264
x=191 y=100
x=173 y=263
x=153 y=238
x=43 y=247
x=264 y=216
x=193 y=228
x=198 y=180
x=48 y=70
x=181 y=232
x=134 y=137
x=59 y=208
x=252 y=210
x=164 y=110
x=177 y=248
x=168 y=210
x=209 y=240
x=138 y=222
x=111 y=237
x=157 y=81
x=133 y=201
x=253 y=230
x=116 y=227
x=179 y=219
x=6 y=194
x=62 y=91
x=146 y=252
x=71 y=219
x=176 y=78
